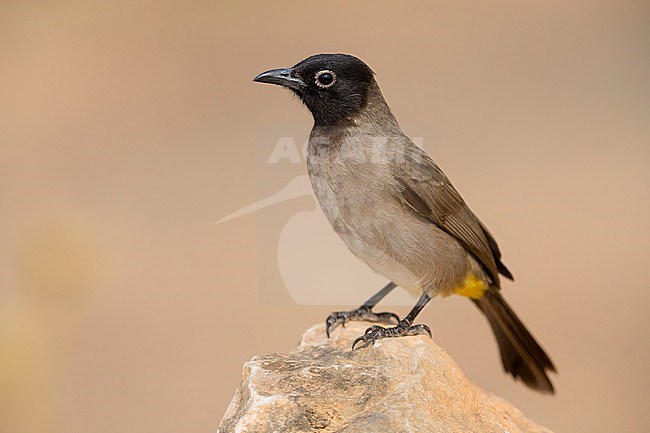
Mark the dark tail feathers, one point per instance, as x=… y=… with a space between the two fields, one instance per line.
x=521 y=355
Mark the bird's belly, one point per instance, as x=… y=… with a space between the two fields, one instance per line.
x=382 y=263
x=393 y=241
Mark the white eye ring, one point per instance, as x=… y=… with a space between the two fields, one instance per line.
x=323 y=72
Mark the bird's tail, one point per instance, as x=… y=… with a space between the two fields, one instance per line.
x=521 y=355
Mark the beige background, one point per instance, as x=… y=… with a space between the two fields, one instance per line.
x=128 y=128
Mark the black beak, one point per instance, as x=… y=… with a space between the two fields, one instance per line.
x=281 y=77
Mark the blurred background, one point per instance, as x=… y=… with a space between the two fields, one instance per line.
x=128 y=128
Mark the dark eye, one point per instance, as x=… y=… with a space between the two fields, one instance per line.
x=325 y=79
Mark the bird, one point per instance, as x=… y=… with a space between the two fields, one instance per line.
x=397 y=211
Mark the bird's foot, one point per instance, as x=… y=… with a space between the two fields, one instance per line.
x=376 y=333
x=360 y=314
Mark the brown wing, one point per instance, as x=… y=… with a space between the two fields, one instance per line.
x=426 y=189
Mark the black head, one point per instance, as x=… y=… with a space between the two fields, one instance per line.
x=333 y=86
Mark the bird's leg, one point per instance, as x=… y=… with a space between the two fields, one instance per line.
x=404 y=327
x=364 y=312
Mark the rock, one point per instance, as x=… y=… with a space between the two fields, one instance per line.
x=400 y=385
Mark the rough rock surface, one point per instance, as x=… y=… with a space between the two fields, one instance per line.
x=399 y=385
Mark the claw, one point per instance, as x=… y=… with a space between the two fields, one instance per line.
x=357 y=341
x=371 y=335
x=331 y=321
x=418 y=330
x=375 y=333
x=334 y=319
x=360 y=314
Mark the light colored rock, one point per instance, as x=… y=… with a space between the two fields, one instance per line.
x=400 y=385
